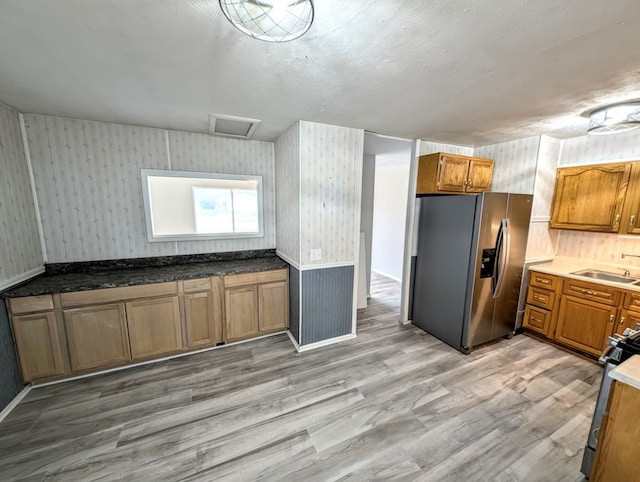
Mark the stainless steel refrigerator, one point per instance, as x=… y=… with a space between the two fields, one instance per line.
x=469 y=266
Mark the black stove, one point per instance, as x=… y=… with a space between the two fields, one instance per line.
x=622 y=347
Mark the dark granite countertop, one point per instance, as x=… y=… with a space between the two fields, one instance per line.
x=87 y=279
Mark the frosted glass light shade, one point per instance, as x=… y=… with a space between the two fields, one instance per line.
x=270 y=20
x=615 y=118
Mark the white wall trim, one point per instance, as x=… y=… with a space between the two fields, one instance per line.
x=14 y=403
x=540 y=219
x=313 y=266
x=4 y=285
x=166 y=143
x=293 y=340
x=32 y=180
x=408 y=233
x=394 y=278
x=155 y=360
x=320 y=344
x=288 y=259
x=327 y=265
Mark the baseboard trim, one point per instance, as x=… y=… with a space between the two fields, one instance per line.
x=387 y=275
x=14 y=403
x=320 y=344
x=155 y=360
x=294 y=341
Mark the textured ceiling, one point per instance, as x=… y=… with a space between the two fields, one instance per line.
x=464 y=72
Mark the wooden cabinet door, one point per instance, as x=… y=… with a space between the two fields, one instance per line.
x=617 y=449
x=38 y=345
x=627 y=319
x=590 y=198
x=203 y=319
x=584 y=324
x=273 y=306
x=241 y=312
x=631 y=216
x=154 y=326
x=97 y=336
x=480 y=175
x=452 y=173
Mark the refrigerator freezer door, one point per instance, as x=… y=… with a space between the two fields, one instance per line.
x=478 y=330
x=445 y=247
x=506 y=303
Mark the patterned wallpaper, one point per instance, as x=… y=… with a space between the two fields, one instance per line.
x=20 y=249
x=201 y=152
x=87 y=176
x=515 y=164
x=330 y=177
x=595 y=149
x=542 y=241
x=287 y=167
x=428 y=147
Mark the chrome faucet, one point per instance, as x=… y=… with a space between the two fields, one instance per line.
x=626 y=272
x=626 y=255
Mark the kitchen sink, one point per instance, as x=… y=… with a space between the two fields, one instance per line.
x=605 y=276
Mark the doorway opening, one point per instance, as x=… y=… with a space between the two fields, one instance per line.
x=385 y=188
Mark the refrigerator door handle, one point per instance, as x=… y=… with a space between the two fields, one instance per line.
x=502 y=256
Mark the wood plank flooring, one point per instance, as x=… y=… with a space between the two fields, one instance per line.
x=392 y=404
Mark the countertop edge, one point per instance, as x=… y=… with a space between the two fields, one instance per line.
x=628 y=372
x=224 y=268
x=565 y=270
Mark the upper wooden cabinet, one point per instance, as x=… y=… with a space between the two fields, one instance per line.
x=591 y=198
x=440 y=173
x=630 y=223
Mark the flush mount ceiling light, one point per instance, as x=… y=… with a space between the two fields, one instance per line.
x=615 y=118
x=270 y=20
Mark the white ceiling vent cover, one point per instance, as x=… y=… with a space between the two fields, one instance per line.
x=232 y=126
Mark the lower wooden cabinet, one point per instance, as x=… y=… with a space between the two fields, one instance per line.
x=256 y=305
x=79 y=332
x=203 y=319
x=154 y=326
x=241 y=307
x=273 y=306
x=39 y=347
x=627 y=319
x=617 y=449
x=97 y=336
x=584 y=324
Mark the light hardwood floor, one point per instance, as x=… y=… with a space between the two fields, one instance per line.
x=392 y=404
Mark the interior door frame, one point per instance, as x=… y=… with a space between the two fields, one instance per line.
x=409 y=232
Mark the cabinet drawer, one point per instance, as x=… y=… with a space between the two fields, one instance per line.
x=542 y=280
x=190 y=285
x=109 y=295
x=255 y=278
x=632 y=301
x=537 y=319
x=541 y=297
x=590 y=291
x=30 y=304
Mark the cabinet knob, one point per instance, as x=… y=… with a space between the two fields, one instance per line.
x=632 y=220
x=611 y=319
x=621 y=321
x=544 y=281
x=616 y=223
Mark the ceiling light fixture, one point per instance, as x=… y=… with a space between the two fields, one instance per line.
x=270 y=20
x=615 y=118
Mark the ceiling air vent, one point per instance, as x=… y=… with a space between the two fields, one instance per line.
x=232 y=126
